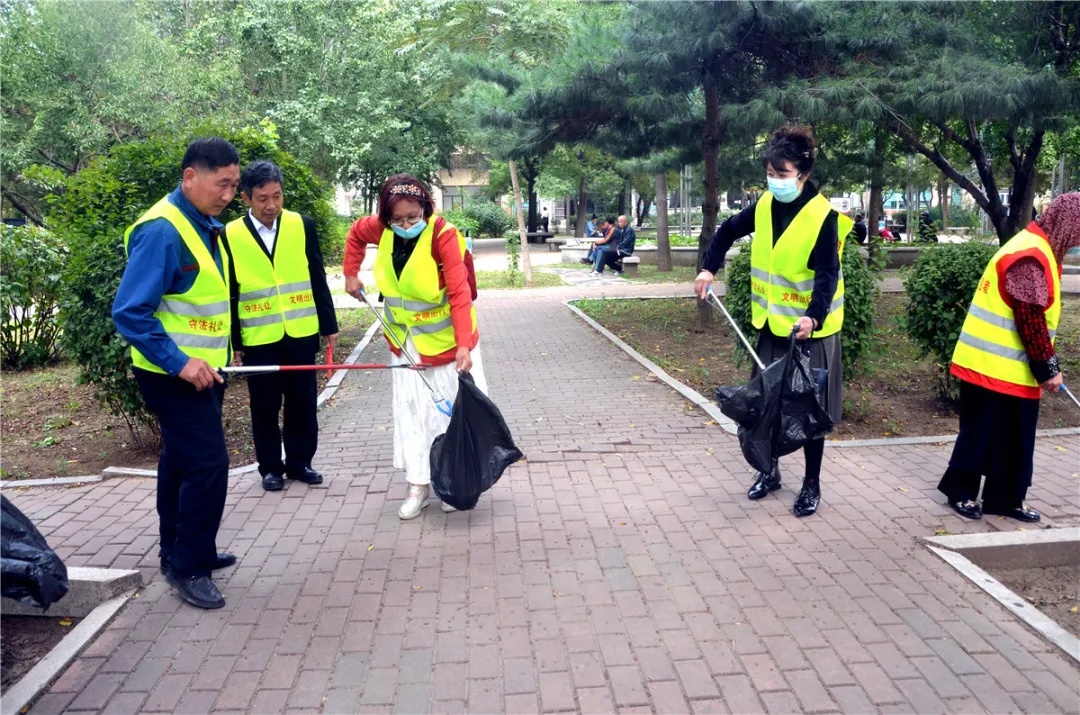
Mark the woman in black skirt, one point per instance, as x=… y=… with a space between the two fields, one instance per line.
x=796 y=283
x=1005 y=359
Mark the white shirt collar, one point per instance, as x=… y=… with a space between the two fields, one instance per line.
x=260 y=226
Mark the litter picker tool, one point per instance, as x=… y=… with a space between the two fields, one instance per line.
x=1068 y=392
x=255 y=369
x=717 y=304
x=441 y=403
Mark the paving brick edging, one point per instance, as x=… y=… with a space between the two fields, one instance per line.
x=332 y=386
x=727 y=424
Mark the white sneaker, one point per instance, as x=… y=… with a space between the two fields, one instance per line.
x=594 y=274
x=415 y=502
x=447 y=508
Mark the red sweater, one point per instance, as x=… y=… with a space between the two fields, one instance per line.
x=446 y=251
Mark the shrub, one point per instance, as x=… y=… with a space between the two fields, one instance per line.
x=91 y=215
x=860 y=295
x=31 y=261
x=332 y=242
x=490 y=219
x=466 y=224
x=940 y=285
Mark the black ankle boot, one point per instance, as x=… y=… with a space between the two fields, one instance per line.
x=807 y=501
x=764 y=484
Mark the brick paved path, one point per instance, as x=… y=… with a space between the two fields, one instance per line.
x=620 y=568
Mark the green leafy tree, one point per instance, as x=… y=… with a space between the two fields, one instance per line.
x=80 y=77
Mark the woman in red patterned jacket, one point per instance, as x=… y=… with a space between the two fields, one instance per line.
x=422 y=271
x=1005 y=359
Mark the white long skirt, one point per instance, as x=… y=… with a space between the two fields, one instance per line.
x=417 y=420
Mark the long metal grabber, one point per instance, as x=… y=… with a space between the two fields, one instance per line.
x=716 y=303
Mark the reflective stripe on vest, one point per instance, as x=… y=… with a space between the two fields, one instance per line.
x=275 y=295
x=413 y=303
x=989 y=343
x=781 y=285
x=198 y=320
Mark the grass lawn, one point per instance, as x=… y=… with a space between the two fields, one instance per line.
x=54 y=427
x=896 y=394
x=499 y=280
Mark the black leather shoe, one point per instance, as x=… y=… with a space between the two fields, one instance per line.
x=197 y=590
x=1020 y=513
x=809 y=498
x=273 y=482
x=968 y=508
x=764 y=484
x=222 y=560
x=585 y=261
x=307 y=475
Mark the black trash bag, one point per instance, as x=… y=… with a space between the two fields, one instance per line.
x=475 y=451
x=30 y=572
x=779 y=410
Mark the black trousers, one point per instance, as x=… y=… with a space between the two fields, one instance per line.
x=193 y=469
x=997 y=439
x=298 y=390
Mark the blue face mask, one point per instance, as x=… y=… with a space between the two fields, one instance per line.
x=784 y=190
x=412 y=231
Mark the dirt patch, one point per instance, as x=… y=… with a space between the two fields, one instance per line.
x=26 y=640
x=54 y=427
x=898 y=394
x=1054 y=590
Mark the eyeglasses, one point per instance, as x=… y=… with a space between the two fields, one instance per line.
x=407 y=221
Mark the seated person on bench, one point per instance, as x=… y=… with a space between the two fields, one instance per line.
x=605 y=229
x=621 y=245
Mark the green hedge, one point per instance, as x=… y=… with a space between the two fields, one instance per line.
x=940 y=285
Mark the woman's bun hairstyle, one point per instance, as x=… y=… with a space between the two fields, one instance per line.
x=790 y=143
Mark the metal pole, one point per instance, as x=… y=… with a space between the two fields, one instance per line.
x=1070 y=394
x=720 y=305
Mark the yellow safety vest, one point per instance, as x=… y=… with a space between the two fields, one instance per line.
x=275 y=296
x=780 y=282
x=198 y=320
x=989 y=343
x=415 y=301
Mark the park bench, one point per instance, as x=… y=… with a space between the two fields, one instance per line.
x=630 y=265
x=538 y=236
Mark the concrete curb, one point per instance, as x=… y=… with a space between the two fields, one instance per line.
x=695 y=397
x=943 y=547
x=331 y=388
x=87 y=589
x=42 y=675
x=730 y=427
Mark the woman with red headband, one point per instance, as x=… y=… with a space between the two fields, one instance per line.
x=422 y=272
x=1005 y=359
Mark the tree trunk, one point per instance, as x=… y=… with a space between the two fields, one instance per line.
x=643 y=213
x=622 y=199
x=943 y=198
x=873 y=211
x=582 y=202
x=710 y=147
x=526 y=265
x=663 y=245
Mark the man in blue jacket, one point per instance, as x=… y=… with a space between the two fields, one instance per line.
x=172 y=306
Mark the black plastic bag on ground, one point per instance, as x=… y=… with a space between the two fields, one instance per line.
x=475 y=451
x=778 y=411
x=30 y=572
